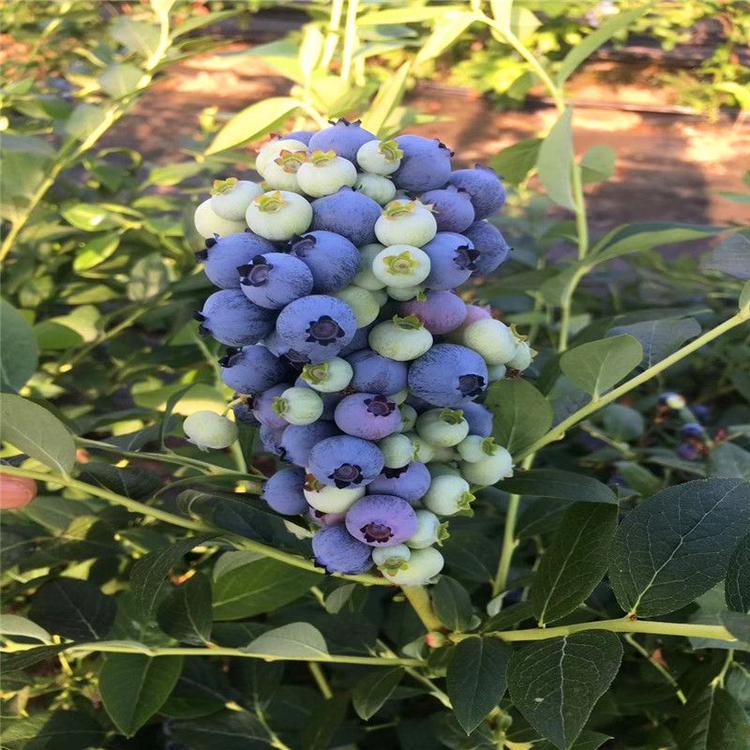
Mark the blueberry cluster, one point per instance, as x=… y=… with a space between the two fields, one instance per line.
x=359 y=361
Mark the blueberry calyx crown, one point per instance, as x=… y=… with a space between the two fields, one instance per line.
x=391 y=151
x=400 y=208
x=489 y=446
x=390 y=473
x=452 y=416
x=315 y=374
x=322 y=158
x=199 y=316
x=465 y=501
x=466 y=258
x=324 y=331
x=256 y=272
x=403 y=263
x=407 y=323
x=380 y=406
x=470 y=384
x=291 y=161
x=443 y=533
x=229 y=358
x=221 y=187
x=280 y=406
x=201 y=254
x=345 y=122
x=312 y=484
x=300 y=246
x=346 y=474
x=270 y=202
x=378 y=533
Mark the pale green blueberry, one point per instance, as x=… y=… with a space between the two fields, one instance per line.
x=404 y=294
x=281 y=172
x=209 y=430
x=328 y=377
x=490 y=469
x=496 y=372
x=400 y=397
x=279 y=215
x=441 y=469
x=429 y=531
x=492 y=339
x=443 y=454
x=231 y=197
x=381 y=296
x=325 y=173
x=272 y=150
x=405 y=222
x=475 y=448
x=379 y=157
x=522 y=358
x=330 y=499
x=422 y=450
x=402 y=339
x=442 y=428
x=380 y=189
x=401 y=266
x=365 y=277
x=448 y=495
x=397 y=451
x=391 y=558
x=209 y=224
x=408 y=417
x=298 y=405
x=423 y=565
x=363 y=303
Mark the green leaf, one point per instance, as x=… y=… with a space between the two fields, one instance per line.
x=148 y=277
x=11 y=625
x=74 y=609
x=737 y=583
x=386 y=100
x=96 y=251
x=515 y=163
x=732 y=257
x=660 y=338
x=729 y=460
x=322 y=726
x=229 y=730
x=713 y=720
x=556 y=683
x=372 y=691
x=33 y=430
x=71 y=730
x=84 y=120
x=598 y=365
x=413 y=14
x=298 y=640
x=185 y=613
x=174 y=174
x=447 y=29
x=252 y=123
x=744 y=300
x=738 y=624
x=575 y=561
x=21 y=660
x=19 y=354
x=677 y=545
x=148 y=575
x=134 y=687
x=120 y=80
x=555 y=163
x=88 y=217
x=246 y=585
x=598 y=164
x=623 y=423
x=139 y=37
x=566 y=485
x=592 y=42
x=452 y=604
x=522 y=414
x=476 y=679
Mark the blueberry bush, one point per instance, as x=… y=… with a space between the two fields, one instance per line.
x=342 y=441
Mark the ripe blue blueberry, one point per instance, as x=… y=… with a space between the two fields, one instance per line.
x=273 y=280
x=345 y=461
x=339 y=552
x=452 y=260
x=425 y=165
x=451 y=207
x=479 y=419
x=283 y=492
x=331 y=258
x=243 y=414
x=440 y=311
x=448 y=375
x=223 y=256
x=484 y=186
x=348 y=213
x=297 y=441
x=374 y=373
x=263 y=407
x=367 y=415
x=270 y=439
x=693 y=430
x=317 y=326
x=252 y=369
x=233 y=320
x=381 y=520
x=359 y=342
x=490 y=244
x=408 y=482
x=343 y=137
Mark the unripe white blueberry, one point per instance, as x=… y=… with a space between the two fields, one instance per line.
x=272 y=150
x=429 y=531
x=328 y=377
x=281 y=172
x=365 y=277
x=380 y=189
x=423 y=565
x=363 y=303
x=404 y=294
x=448 y=495
x=402 y=339
x=279 y=215
x=492 y=339
x=208 y=223
x=522 y=358
x=422 y=450
x=325 y=173
x=439 y=469
x=231 y=197
x=475 y=448
x=207 y=429
x=380 y=295
x=490 y=469
x=400 y=396
x=405 y=222
x=401 y=266
x=379 y=157
x=397 y=451
x=408 y=417
x=330 y=499
x=442 y=428
x=298 y=405
x=496 y=372
x=443 y=454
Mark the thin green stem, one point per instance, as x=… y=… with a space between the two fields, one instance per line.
x=579 y=203
x=630 y=638
x=350 y=39
x=320 y=679
x=435 y=691
x=419 y=599
x=558 y=432
x=332 y=37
